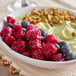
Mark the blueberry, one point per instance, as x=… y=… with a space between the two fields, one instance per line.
x=9 y=25
x=64 y=47
x=23 y=29
x=43 y=33
x=42 y=39
x=69 y=56
x=25 y=24
x=74 y=55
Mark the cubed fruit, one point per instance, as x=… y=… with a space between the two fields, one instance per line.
x=33 y=34
x=37 y=54
x=6 y=30
x=8 y=39
x=10 y=20
x=57 y=57
x=34 y=44
x=25 y=24
x=19 y=46
x=49 y=49
x=17 y=27
x=50 y=39
x=31 y=26
x=64 y=47
x=48 y=58
x=19 y=35
x=4 y=22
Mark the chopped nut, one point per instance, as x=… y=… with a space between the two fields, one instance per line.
x=72 y=18
x=74 y=33
x=44 y=19
x=49 y=15
x=5 y=62
x=1 y=55
x=12 y=70
x=24 y=18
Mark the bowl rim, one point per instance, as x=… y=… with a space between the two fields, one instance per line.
x=28 y=58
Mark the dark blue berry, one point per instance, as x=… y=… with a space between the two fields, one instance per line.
x=74 y=55
x=9 y=25
x=43 y=33
x=64 y=47
x=69 y=56
x=25 y=24
x=42 y=39
x=23 y=29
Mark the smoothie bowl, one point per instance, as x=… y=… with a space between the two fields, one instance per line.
x=41 y=36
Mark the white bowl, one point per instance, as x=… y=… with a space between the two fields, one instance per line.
x=34 y=62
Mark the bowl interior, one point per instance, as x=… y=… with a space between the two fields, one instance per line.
x=39 y=63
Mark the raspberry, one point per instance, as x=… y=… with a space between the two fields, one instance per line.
x=10 y=20
x=49 y=49
x=34 y=44
x=9 y=39
x=27 y=53
x=33 y=34
x=37 y=54
x=5 y=22
x=50 y=39
x=48 y=58
x=19 y=35
x=18 y=46
x=6 y=30
x=31 y=26
x=43 y=44
x=17 y=27
x=57 y=57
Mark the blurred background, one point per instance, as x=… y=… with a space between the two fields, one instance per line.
x=6 y=5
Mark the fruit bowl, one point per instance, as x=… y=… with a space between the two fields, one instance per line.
x=22 y=58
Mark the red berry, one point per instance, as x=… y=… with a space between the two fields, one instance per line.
x=34 y=44
x=19 y=46
x=49 y=49
x=33 y=34
x=5 y=22
x=19 y=35
x=50 y=39
x=10 y=20
x=57 y=57
x=17 y=27
x=31 y=26
x=48 y=58
x=8 y=39
x=37 y=54
x=6 y=30
x=42 y=44
x=27 y=53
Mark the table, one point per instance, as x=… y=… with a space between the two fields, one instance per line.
x=68 y=71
